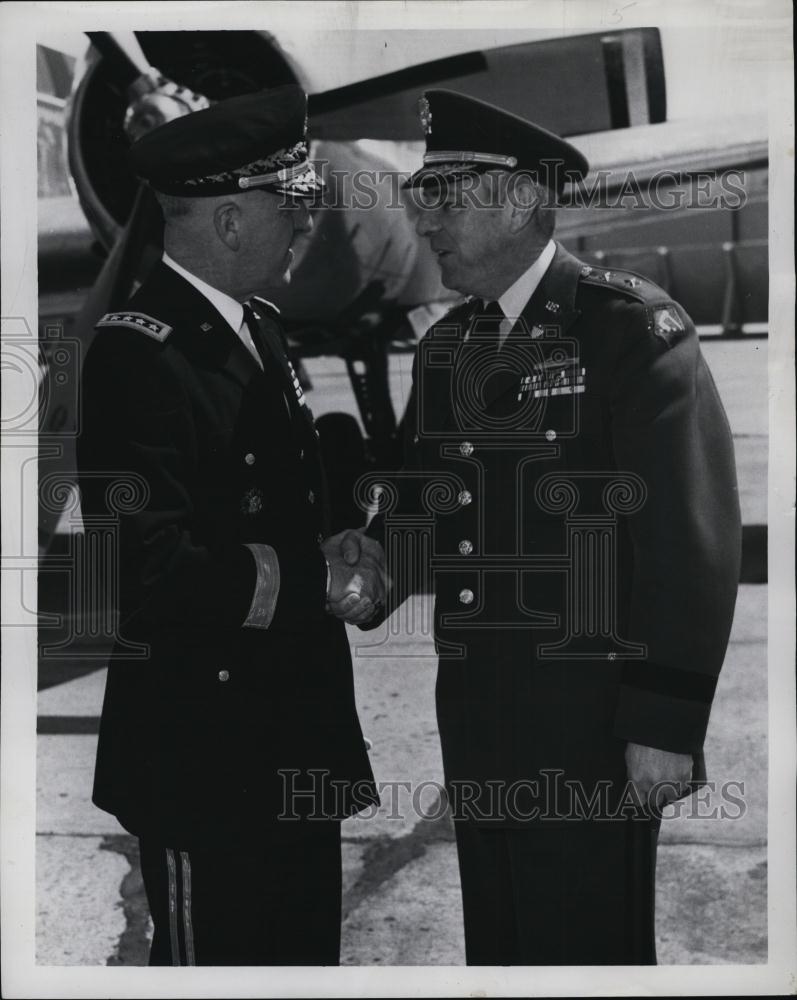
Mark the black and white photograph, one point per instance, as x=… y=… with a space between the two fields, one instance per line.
x=398 y=489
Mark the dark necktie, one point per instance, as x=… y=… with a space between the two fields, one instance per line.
x=267 y=347
x=262 y=346
x=270 y=346
x=487 y=319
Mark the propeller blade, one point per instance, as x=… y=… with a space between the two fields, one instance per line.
x=136 y=249
x=122 y=49
x=388 y=84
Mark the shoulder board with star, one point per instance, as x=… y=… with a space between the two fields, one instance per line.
x=636 y=286
x=664 y=318
x=148 y=325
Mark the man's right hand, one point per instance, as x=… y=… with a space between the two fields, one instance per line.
x=358 y=582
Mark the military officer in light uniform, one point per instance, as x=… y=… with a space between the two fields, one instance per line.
x=584 y=531
x=232 y=749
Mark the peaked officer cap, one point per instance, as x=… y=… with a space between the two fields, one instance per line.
x=464 y=135
x=252 y=141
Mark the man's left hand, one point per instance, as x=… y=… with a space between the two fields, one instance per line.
x=659 y=776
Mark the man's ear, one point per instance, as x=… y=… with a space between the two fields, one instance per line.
x=227 y=222
x=523 y=198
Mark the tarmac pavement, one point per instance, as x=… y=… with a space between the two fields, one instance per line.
x=401 y=892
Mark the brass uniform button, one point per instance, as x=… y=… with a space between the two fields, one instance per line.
x=249 y=458
x=466 y=596
x=466 y=449
x=550 y=435
x=224 y=675
x=465 y=547
x=464 y=497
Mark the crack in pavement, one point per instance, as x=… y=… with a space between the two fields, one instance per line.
x=385 y=856
x=133 y=945
x=382 y=858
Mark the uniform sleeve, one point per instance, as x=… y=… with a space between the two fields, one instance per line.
x=138 y=428
x=669 y=427
x=407 y=502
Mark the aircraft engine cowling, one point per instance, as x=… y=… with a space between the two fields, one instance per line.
x=362 y=235
x=216 y=64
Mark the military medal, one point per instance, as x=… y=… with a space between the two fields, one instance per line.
x=252 y=501
x=563 y=379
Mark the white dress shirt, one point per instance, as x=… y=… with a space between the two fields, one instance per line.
x=516 y=297
x=231 y=311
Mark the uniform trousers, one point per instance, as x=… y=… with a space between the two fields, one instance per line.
x=274 y=899
x=574 y=893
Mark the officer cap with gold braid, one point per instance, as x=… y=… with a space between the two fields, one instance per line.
x=465 y=135
x=255 y=141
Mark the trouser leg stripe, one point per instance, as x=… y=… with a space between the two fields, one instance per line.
x=172 y=870
x=187 y=925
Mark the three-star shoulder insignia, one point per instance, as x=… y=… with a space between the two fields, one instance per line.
x=137 y=321
x=634 y=285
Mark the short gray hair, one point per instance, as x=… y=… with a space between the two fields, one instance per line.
x=546 y=220
x=174 y=206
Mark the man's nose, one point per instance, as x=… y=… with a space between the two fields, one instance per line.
x=427 y=222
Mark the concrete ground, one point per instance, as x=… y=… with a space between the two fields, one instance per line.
x=401 y=893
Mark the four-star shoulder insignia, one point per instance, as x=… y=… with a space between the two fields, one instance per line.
x=137 y=321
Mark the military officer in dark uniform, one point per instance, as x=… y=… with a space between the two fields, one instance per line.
x=229 y=741
x=569 y=467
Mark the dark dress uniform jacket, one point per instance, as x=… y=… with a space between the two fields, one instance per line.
x=209 y=456
x=578 y=497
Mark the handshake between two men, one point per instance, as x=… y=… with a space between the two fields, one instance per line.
x=357 y=582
